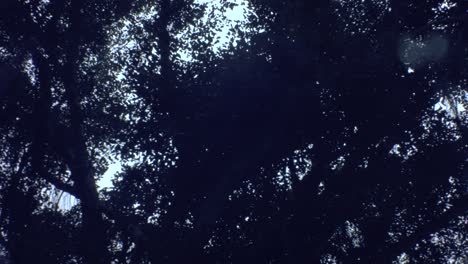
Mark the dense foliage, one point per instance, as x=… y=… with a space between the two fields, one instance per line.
x=304 y=132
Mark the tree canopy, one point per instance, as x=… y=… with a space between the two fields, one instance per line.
x=303 y=132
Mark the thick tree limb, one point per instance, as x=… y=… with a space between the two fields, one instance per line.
x=61 y=185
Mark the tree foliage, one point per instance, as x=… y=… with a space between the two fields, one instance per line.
x=306 y=132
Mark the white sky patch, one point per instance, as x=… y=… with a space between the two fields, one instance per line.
x=106 y=180
x=116 y=166
x=59 y=199
x=440 y=105
x=67 y=201
x=452 y=105
x=403 y=258
x=446 y=5
x=395 y=149
x=233 y=17
x=235 y=14
x=321 y=188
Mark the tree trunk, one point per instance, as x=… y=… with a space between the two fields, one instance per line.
x=94 y=241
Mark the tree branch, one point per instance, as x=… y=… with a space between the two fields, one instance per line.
x=61 y=185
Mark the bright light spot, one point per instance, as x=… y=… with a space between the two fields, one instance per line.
x=106 y=180
x=446 y=5
x=237 y=13
x=439 y=106
x=410 y=70
x=395 y=149
x=460 y=108
x=234 y=16
x=403 y=258
x=321 y=188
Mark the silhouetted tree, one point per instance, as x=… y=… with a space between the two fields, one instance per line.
x=320 y=132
